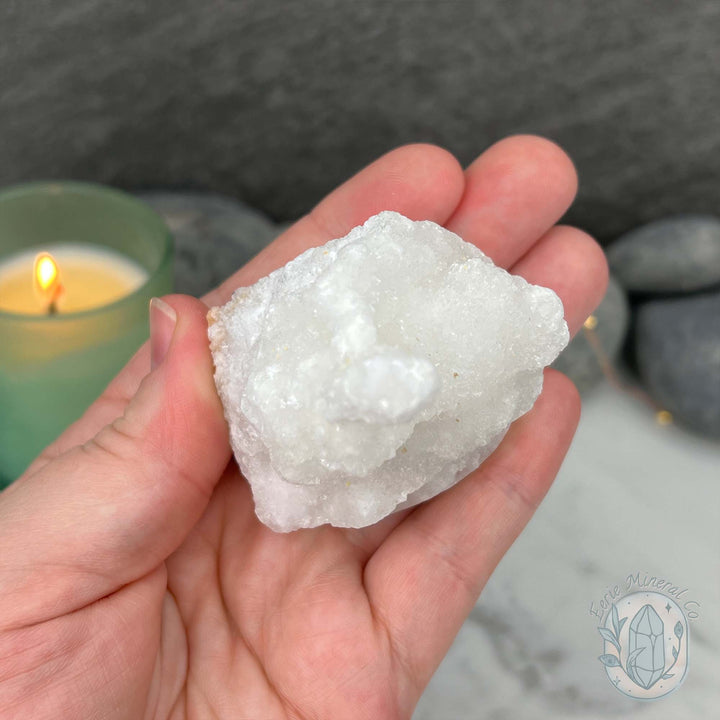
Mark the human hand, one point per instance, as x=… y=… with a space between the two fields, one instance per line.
x=138 y=583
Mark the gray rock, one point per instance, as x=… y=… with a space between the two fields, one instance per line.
x=277 y=102
x=579 y=361
x=677 y=347
x=214 y=236
x=674 y=254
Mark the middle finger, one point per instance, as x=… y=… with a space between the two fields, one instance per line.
x=514 y=193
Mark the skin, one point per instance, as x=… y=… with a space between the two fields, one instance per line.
x=136 y=580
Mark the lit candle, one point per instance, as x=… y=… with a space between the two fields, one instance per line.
x=78 y=266
x=67 y=279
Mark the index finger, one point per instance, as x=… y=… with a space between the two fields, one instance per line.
x=422 y=182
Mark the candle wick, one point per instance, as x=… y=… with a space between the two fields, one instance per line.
x=53 y=306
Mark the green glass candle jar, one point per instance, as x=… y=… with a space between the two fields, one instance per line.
x=59 y=351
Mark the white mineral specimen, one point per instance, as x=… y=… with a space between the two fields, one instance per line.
x=376 y=371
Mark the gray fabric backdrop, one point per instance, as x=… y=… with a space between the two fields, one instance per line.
x=276 y=102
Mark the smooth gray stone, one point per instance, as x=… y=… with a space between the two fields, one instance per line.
x=276 y=102
x=677 y=347
x=670 y=255
x=214 y=236
x=579 y=361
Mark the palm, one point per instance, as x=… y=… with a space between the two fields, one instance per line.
x=171 y=600
x=282 y=622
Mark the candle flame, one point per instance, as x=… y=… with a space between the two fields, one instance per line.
x=46 y=272
x=47 y=277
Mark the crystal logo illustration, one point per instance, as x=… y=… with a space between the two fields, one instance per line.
x=645 y=650
x=646 y=646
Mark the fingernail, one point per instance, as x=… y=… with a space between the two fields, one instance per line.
x=162 y=325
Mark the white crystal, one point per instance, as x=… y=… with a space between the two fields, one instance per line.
x=376 y=371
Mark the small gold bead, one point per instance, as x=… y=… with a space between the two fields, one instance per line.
x=591 y=322
x=664 y=417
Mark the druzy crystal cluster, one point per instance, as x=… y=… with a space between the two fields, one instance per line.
x=375 y=371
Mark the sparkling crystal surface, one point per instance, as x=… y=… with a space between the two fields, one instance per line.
x=377 y=370
x=646 y=635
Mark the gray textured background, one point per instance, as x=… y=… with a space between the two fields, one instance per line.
x=277 y=102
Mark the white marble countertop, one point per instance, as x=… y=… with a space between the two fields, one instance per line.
x=632 y=496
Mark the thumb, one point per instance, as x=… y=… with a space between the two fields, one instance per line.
x=108 y=512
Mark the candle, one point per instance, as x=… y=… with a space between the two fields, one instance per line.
x=78 y=266
x=86 y=276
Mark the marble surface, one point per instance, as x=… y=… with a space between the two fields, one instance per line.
x=631 y=497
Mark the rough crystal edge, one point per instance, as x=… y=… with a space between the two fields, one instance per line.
x=218 y=337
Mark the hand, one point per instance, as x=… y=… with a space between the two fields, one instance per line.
x=136 y=580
